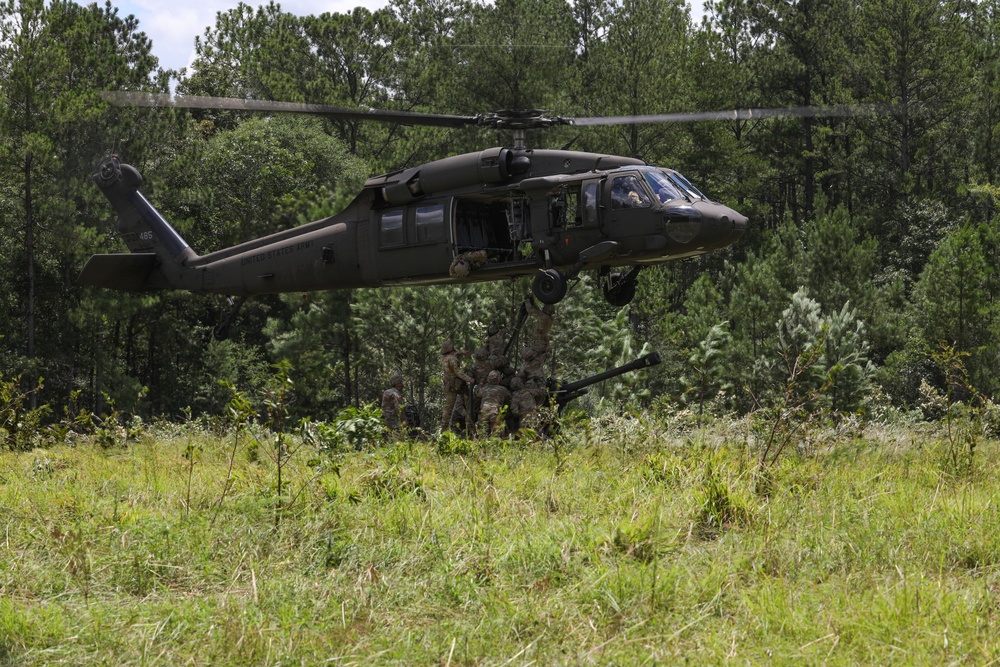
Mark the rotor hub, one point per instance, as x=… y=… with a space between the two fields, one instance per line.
x=520 y=119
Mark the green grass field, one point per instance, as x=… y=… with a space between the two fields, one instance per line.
x=625 y=543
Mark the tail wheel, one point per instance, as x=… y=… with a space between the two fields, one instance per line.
x=549 y=286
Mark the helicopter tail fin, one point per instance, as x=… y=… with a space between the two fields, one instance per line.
x=157 y=252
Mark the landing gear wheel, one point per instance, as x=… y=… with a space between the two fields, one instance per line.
x=549 y=286
x=619 y=286
x=620 y=295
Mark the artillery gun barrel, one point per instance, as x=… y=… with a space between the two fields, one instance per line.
x=567 y=392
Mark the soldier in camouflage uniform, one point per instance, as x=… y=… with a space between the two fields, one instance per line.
x=522 y=403
x=463 y=265
x=452 y=372
x=482 y=365
x=494 y=340
x=534 y=363
x=460 y=418
x=536 y=351
x=544 y=318
x=392 y=407
x=481 y=368
x=494 y=397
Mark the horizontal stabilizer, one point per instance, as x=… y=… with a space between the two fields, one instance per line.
x=127 y=272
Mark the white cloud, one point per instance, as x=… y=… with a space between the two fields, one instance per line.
x=173 y=26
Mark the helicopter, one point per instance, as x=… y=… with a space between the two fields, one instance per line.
x=496 y=214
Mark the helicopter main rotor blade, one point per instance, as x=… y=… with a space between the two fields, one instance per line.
x=510 y=119
x=841 y=111
x=162 y=100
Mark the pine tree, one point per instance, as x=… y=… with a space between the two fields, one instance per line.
x=954 y=304
x=52 y=58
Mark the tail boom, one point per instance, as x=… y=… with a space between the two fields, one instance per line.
x=315 y=256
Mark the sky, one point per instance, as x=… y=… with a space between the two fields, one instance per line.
x=173 y=25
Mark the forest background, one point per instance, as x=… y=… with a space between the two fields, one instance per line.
x=868 y=275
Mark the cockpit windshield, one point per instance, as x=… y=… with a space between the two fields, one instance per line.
x=664 y=188
x=685 y=185
x=671 y=185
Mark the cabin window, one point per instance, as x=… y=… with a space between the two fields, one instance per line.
x=390 y=229
x=429 y=223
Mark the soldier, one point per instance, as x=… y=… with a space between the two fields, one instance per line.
x=522 y=403
x=494 y=340
x=538 y=389
x=545 y=316
x=507 y=372
x=494 y=396
x=392 y=407
x=460 y=418
x=534 y=363
x=463 y=264
x=480 y=370
x=453 y=373
x=482 y=366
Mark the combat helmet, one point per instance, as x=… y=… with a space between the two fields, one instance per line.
x=447 y=346
x=396 y=379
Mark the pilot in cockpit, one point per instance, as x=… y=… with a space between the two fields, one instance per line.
x=626 y=193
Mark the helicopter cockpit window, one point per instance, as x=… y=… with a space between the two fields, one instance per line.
x=664 y=188
x=429 y=223
x=590 y=203
x=627 y=192
x=390 y=229
x=685 y=185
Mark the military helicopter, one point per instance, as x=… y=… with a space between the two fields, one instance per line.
x=500 y=213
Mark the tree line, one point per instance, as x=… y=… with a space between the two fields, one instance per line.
x=873 y=242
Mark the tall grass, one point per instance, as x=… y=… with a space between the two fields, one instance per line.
x=622 y=545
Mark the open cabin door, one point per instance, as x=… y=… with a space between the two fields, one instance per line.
x=494 y=227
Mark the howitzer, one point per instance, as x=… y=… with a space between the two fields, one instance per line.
x=563 y=393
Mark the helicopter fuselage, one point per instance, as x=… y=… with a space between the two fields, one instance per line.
x=500 y=213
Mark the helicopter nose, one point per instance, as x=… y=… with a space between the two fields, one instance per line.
x=739 y=223
x=722 y=224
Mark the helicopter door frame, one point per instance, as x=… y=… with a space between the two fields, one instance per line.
x=575 y=222
x=487 y=225
x=576 y=206
x=590 y=204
